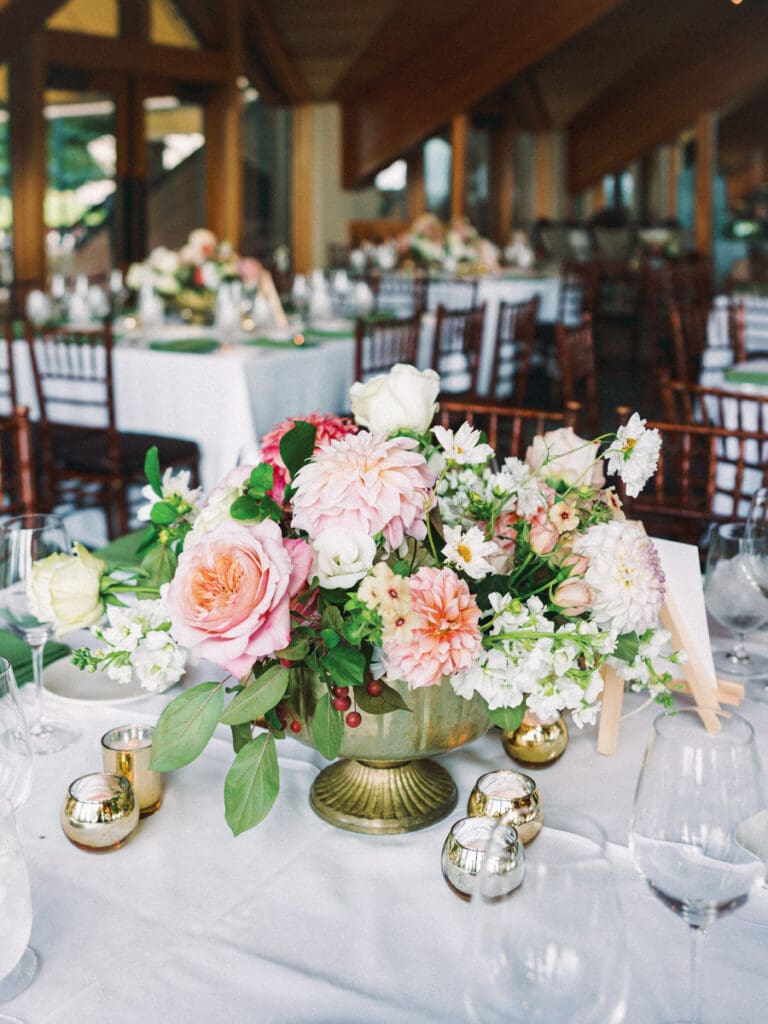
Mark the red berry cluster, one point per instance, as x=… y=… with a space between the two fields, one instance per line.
x=343 y=702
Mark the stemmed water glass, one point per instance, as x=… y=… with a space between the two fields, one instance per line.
x=734 y=597
x=694 y=790
x=23 y=541
x=533 y=957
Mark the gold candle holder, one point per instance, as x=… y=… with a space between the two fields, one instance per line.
x=507 y=792
x=464 y=853
x=127 y=751
x=99 y=812
x=536 y=742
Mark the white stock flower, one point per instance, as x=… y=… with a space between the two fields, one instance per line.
x=164 y=261
x=139 y=646
x=463 y=447
x=175 y=487
x=342 y=557
x=624 y=574
x=634 y=455
x=403 y=399
x=468 y=551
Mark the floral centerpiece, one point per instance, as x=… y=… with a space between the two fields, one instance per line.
x=365 y=564
x=453 y=247
x=189 y=278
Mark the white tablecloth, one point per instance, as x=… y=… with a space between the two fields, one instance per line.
x=223 y=400
x=298 y=922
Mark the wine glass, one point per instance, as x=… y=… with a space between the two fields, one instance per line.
x=734 y=598
x=15 y=742
x=23 y=541
x=694 y=790
x=532 y=957
x=18 y=963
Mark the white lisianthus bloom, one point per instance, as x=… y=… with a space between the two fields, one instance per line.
x=342 y=557
x=217 y=504
x=164 y=261
x=634 y=455
x=468 y=551
x=463 y=447
x=563 y=455
x=176 y=490
x=135 y=276
x=65 y=590
x=167 y=284
x=403 y=399
x=624 y=575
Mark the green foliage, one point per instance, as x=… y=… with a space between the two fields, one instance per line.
x=627 y=647
x=260 y=695
x=382 y=704
x=344 y=665
x=297 y=446
x=185 y=726
x=152 y=470
x=508 y=719
x=252 y=784
x=327 y=728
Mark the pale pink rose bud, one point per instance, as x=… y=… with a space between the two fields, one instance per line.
x=543 y=537
x=578 y=564
x=573 y=597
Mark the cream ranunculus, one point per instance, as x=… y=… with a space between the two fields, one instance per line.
x=563 y=455
x=403 y=399
x=342 y=557
x=65 y=590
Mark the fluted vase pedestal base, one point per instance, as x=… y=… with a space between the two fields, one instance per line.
x=383 y=798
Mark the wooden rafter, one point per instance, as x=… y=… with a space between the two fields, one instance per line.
x=269 y=64
x=417 y=96
x=19 y=19
x=204 y=25
x=719 y=64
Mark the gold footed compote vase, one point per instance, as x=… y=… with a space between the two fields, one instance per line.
x=386 y=782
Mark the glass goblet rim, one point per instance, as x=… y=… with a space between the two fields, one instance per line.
x=736 y=731
x=32 y=521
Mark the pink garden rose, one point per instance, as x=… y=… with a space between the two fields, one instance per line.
x=328 y=427
x=230 y=599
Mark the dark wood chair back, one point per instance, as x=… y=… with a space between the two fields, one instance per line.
x=451 y=293
x=17 y=476
x=513 y=350
x=399 y=295
x=578 y=373
x=456 y=349
x=690 y=336
x=379 y=344
x=732 y=410
x=7 y=372
x=509 y=429
x=579 y=288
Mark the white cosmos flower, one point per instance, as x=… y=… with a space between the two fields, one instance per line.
x=463 y=447
x=176 y=489
x=467 y=551
x=634 y=454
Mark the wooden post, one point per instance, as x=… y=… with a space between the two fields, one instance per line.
x=757 y=168
x=459 y=129
x=135 y=19
x=224 y=138
x=674 y=157
x=131 y=241
x=502 y=180
x=544 y=176
x=415 y=194
x=706 y=168
x=28 y=150
x=302 y=188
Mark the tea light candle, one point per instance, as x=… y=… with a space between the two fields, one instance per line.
x=508 y=792
x=465 y=851
x=127 y=751
x=99 y=812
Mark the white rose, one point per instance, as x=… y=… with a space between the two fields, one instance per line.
x=164 y=261
x=404 y=398
x=65 y=590
x=209 y=274
x=563 y=455
x=342 y=557
x=135 y=276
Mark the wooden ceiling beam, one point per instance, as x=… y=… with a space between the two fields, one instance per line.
x=204 y=25
x=265 y=47
x=718 y=65
x=19 y=19
x=134 y=57
x=415 y=97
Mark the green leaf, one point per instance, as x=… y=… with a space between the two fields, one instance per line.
x=163 y=514
x=332 y=619
x=245 y=507
x=345 y=665
x=152 y=470
x=252 y=784
x=329 y=638
x=261 y=479
x=297 y=446
x=508 y=719
x=159 y=564
x=627 y=647
x=241 y=734
x=263 y=693
x=327 y=728
x=148 y=537
x=297 y=650
x=388 y=700
x=185 y=726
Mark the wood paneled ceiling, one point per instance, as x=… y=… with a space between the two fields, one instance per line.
x=402 y=68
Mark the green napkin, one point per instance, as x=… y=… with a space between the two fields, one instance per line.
x=123 y=551
x=330 y=332
x=18 y=653
x=736 y=376
x=284 y=345
x=196 y=345
x=381 y=314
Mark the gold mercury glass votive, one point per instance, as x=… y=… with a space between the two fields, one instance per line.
x=508 y=792
x=464 y=853
x=536 y=742
x=99 y=812
x=127 y=751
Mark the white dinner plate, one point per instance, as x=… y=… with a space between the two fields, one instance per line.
x=64 y=680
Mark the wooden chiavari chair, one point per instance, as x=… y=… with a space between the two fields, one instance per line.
x=509 y=429
x=379 y=344
x=82 y=463
x=456 y=348
x=732 y=410
x=578 y=374
x=453 y=293
x=690 y=336
x=513 y=350
x=17 y=477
